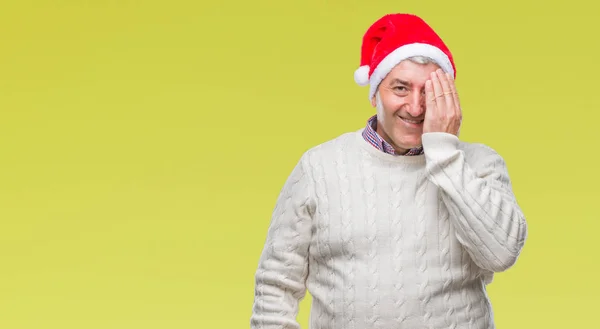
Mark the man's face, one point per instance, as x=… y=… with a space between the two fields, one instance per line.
x=400 y=103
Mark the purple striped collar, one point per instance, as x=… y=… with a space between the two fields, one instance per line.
x=371 y=136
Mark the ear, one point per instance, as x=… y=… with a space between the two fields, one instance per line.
x=374 y=100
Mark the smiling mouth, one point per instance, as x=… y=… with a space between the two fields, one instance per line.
x=415 y=122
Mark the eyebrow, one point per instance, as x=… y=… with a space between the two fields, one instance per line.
x=402 y=82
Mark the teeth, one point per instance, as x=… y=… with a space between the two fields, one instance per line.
x=411 y=121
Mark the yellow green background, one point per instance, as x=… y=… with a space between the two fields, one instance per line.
x=143 y=145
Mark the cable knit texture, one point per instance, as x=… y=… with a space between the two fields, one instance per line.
x=390 y=242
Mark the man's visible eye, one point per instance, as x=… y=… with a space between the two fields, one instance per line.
x=400 y=88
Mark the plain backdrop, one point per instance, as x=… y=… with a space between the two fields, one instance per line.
x=143 y=145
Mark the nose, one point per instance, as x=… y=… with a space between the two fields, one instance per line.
x=417 y=105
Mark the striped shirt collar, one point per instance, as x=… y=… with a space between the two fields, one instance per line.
x=372 y=137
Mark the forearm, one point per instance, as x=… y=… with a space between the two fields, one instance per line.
x=283 y=265
x=487 y=219
x=279 y=289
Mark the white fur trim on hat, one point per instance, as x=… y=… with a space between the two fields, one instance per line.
x=402 y=53
x=361 y=75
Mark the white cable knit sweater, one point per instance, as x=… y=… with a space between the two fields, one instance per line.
x=391 y=242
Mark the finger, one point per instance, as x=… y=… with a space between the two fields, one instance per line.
x=453 y=90
x=448 y=97
x=455 y=95
x=429 y=98
x=437 y=91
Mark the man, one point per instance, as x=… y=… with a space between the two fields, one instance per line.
x=400 y=224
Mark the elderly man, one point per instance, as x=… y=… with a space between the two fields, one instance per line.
x=399 y=224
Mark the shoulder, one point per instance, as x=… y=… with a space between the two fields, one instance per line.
x=331 y=153
x=331 y=148
x=314 y=159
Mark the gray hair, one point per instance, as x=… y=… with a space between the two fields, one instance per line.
x=421 y=60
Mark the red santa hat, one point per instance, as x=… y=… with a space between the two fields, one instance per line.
x=394 y=38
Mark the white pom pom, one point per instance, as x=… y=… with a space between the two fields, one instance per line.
x=361 y=75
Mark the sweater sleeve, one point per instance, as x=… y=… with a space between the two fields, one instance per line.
x=478 y=194
x=283 y=264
